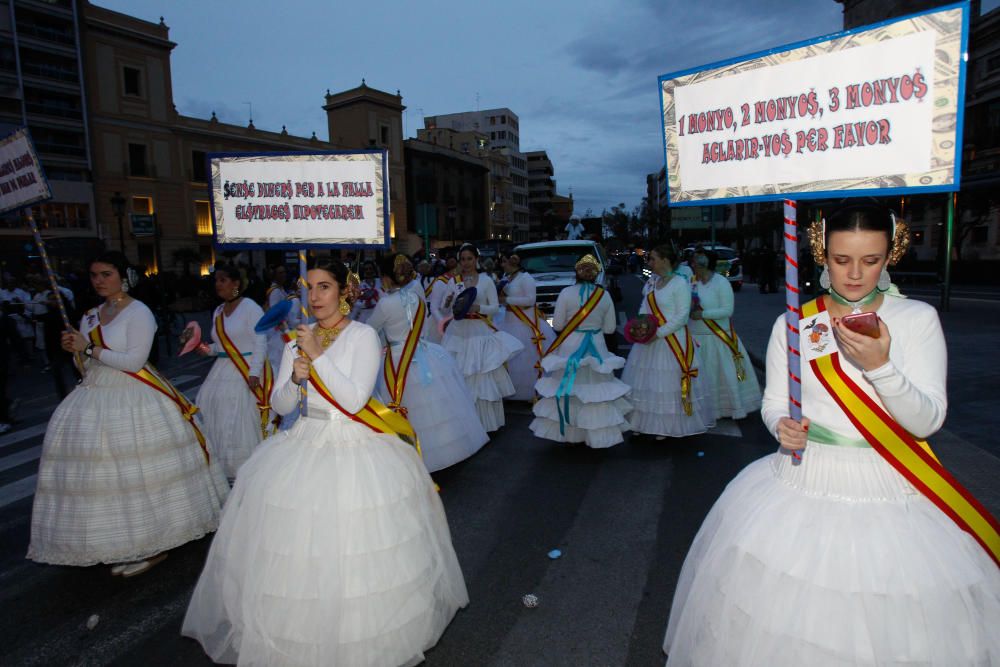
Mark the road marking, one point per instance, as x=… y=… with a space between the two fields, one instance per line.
x=23 y=434
x=22 y=488
x=14 y=460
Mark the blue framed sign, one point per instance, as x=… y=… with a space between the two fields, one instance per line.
x=22 y=179
x=873 y=111
x=299 y=199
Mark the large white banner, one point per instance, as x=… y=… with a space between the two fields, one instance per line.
x=298 y=200
x=872 y=111
x=22 y=181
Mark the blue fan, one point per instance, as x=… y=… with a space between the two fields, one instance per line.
x=274 y=316
x=463 y=303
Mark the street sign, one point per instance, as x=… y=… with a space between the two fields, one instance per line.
x=143 y=224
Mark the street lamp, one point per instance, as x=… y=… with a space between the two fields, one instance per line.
x=118 y=206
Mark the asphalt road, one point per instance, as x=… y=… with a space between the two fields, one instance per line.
x=623 y=519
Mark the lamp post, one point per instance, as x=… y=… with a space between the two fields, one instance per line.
x=118 y=206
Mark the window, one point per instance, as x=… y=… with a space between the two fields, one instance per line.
x=503 y=120
x=384 y=134
x=142 y=205
x=198 y=166
x=137 y=160
x=131 y=80
x=502 y=134
x=493 y=136
x=493 y=120
x=202 y=218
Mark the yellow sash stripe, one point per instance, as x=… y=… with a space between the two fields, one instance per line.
x=732 y=342
x=395 y=376
x=577 y=319
x=375 y=415
x=263 y=391
x=537 y=338
x=148 y=375
x=684 y=357
x=912 y=458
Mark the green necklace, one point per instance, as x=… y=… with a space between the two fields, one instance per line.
x=855 y=306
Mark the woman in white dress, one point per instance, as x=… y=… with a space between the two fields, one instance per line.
x=369 y=292
x=125 y=472
x=440 y=289
x=839 y=559
x=479 y=348
x=580 y=399
x=238 y=386
x=276 y=293
x=669 y=394
x=524 y=322
x=725 y=366
x=429 y=390
x=334 y=547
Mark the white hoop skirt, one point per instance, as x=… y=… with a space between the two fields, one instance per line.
x=732 y=398
x=597 y=404
x=333 y=549
x=654 y=375
x=481 y=354
x=229 y=412
x=836 y=561
x=439 y=407
x=521 y=366
x=122 y=476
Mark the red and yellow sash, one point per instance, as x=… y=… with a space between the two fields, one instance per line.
x=395 y=376
x=912 y=458
x=484 y=318
x=732 y=342
x=263 y=390
x=684 y=356
x=444 y=278
x=537 y=338
x=375 y=415
x=152 y=377
x=577 y=319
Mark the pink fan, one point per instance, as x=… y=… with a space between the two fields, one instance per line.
x=190 y=338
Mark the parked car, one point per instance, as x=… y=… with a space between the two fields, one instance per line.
x=552 y=265
x=729 y=265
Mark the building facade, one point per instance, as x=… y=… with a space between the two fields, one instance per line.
x=42 y=88
x=503 y=128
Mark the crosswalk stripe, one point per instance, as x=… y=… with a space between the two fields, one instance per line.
x=14 y=460
x=21 y=435
x=22 y=488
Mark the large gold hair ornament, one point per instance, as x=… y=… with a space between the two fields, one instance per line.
x=898 y=246
x=402 y=268
x=353 y=289
x=588 y=260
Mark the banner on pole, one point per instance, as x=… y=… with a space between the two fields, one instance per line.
x=867 y=112
x=297 y=200
x=22 y=181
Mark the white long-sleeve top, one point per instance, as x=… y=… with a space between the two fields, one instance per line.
x=674 y=300
x=568 y=303
x=276 y=296
x=521 y=290
x=349 y=368
x=717 y=303
x=393 y=316
x=486 y=295
x=439 y=292
x=911 y=386
x=129 y=336
x=239 y=327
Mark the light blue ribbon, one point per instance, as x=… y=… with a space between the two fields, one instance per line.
x=586 y=289
x=420 y=359
x=223 y=354
x=585 y=349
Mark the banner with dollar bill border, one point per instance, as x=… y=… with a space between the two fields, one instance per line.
x=872 y=111
x=22 y=179
x=299 y=200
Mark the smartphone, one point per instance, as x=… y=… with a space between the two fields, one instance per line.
x=862 y=323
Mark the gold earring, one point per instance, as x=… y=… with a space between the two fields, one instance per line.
x=345 y=307
x=236 y=292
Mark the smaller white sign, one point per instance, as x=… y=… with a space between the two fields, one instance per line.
x=816 y=336
x=22 y=181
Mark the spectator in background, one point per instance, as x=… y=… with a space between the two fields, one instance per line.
x=574 y=228
x=767 y=271
x=6 y=418
x=60 y=361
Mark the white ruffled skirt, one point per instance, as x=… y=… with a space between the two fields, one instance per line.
x=122 y=476
x=597 y=405
x=229 y=411
x=439 y=407
x=333 y=549
x=836 y=561
x=732 y=398
x=654 y=375
x=521 y=366
x=481 y=354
